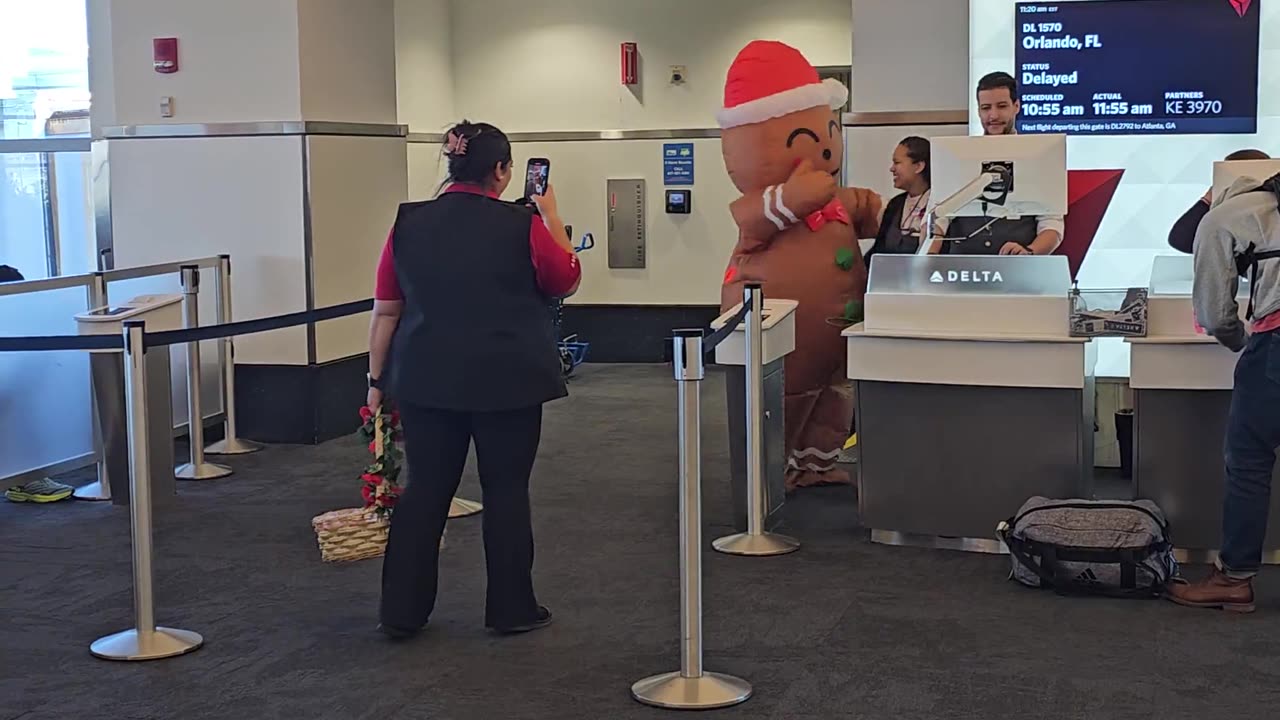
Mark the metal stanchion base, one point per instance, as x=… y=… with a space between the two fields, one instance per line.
x=676 y=692
x=460 y=508
x=203 y=471
x=756 y=545
x=136 y=645
x=233 y=446
x=96 y=490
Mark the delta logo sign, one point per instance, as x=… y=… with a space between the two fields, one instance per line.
x=1089 y=194
x=1241 y=6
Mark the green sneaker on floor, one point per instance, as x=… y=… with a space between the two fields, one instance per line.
x=39 y=491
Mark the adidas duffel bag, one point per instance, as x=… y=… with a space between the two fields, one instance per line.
x=1093 y=547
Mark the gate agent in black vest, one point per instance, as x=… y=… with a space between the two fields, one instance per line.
x=998 y=107
x=461 y=328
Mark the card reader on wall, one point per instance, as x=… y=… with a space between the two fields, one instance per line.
x=679 y=202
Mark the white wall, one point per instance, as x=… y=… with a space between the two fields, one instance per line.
x=241 y=196
x=424 y=64
x=557 y=67
x=358 y=83
x=356 y=184
x=910 y=55
x=238 y=60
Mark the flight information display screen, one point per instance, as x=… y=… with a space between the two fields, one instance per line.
x=1126 y=67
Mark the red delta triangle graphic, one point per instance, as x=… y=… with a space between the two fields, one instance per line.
x=1241 y=6
x=1089 y=194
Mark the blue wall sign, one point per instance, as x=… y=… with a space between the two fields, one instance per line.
x=677 y=163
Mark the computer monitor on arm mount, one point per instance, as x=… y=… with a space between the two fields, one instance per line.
x=997 y=177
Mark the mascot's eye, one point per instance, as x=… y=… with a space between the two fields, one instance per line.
x=826 y=154
x=798 y=132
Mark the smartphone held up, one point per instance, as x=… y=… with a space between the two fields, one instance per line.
x=536 y=177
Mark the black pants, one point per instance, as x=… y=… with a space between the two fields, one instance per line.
x=436 y=445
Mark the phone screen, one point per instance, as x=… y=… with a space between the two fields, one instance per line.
x=536 y=177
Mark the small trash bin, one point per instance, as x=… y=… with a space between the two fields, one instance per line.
x=106 y=369
x=1124 y=437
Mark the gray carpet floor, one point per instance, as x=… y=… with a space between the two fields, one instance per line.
x=842 y=629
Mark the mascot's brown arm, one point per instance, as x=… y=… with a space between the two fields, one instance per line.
x=865 y=207
x=763 y=215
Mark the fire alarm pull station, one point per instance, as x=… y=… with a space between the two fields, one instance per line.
x=630 y=63
x=166 y=55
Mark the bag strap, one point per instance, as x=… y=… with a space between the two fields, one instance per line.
x=1019 y=549
x=1047 y=569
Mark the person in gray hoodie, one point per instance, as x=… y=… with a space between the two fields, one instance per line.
x=1241 y=236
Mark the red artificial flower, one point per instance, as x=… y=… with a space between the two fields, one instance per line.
x=371 y=479
x=366 y=414
x=373 y=447
x=367 y=493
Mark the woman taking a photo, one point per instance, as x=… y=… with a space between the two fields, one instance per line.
x=901 y=228
x=461 y=340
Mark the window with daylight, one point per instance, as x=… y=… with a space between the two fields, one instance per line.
x=45 y=224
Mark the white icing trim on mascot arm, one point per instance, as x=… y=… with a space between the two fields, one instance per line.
x=784 y=209
x=768 y=209
x=829 y=92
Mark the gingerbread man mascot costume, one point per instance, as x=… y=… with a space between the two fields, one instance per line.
x=798 y=236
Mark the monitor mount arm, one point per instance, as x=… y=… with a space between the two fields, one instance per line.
x=975 y=190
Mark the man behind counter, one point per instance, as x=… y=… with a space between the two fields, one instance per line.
x=998 y=108
x=1183 y=235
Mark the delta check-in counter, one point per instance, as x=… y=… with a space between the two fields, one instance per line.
x=971 y=396
x=1181 y=381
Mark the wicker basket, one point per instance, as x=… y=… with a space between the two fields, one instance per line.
x=355 y=533
x=351 y=534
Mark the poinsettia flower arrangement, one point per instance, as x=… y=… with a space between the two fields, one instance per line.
x=381 y=478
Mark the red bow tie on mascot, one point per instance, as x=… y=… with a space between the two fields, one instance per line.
x=783 y=147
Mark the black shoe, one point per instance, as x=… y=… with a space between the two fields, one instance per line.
x=397 y=633
x=543 y=620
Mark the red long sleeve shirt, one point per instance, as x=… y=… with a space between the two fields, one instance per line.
x=557 y=269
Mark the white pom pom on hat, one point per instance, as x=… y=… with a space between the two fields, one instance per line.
x=769 y=79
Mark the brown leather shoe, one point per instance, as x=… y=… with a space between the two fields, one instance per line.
x=1217 y=591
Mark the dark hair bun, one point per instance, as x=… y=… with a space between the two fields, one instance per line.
x=474 y=150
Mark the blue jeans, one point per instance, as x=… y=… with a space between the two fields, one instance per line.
x=1253 y=434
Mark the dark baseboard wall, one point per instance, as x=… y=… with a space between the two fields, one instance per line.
x=308 y=404
x=300 y=404
x=633 y=333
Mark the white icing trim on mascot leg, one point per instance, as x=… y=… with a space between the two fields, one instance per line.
x=829 y=93
x=784 y=209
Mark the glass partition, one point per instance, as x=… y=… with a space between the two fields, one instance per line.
x=1040 y=275
x=1173 y=275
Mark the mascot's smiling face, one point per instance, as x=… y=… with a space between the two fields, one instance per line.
x=777 y=112
x=763 y=154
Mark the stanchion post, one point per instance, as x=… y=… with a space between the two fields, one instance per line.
x=690 y=688
x=198 y=468
x=231 y=443
x=144 y=641
x=99 y=489
x=755 y=541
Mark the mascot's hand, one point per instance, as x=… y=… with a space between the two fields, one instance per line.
x=808 y=189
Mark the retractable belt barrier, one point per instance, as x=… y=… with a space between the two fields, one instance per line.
x=146 y=640
x=39 y=343
x=691 y=687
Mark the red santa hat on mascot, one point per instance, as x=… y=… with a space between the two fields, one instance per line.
x=770 y=79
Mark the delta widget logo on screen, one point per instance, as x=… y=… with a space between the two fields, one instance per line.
x=1241 y=6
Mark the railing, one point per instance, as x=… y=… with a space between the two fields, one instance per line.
x=70 y=380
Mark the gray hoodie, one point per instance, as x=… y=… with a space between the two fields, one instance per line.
x=1240 y=218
